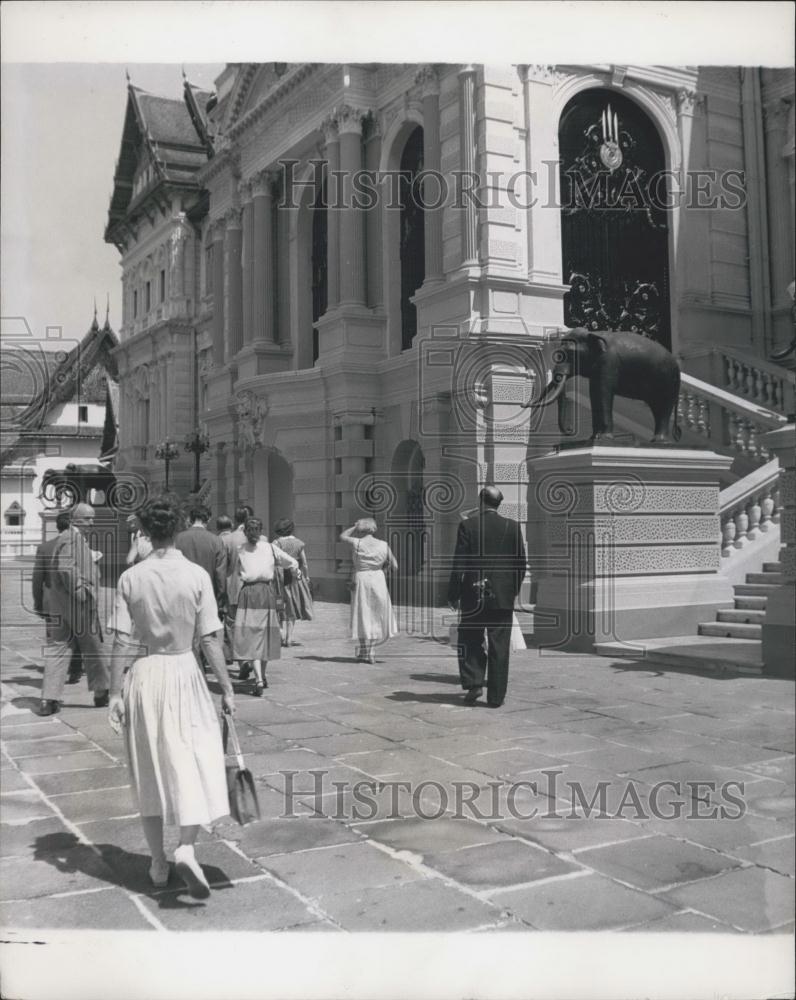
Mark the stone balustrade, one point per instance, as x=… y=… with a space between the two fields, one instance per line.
x=759 y=381
x=749 y=507
x=730 y=423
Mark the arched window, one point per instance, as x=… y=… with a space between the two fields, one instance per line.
x=614 y=229
x=319 y=288
x=412 y=250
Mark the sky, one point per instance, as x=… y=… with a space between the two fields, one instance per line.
x=63 y=64
x=61 y=133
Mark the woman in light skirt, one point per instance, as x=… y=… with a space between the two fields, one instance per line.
x=372 y=618
x=295 y=585
x=256 y=636
x=169 y=720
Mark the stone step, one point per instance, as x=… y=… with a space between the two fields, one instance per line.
x=751 y=603
x=746 y=616
x=772 y=578
x=754 y=589
x=772 y=567
x=730 y=630
x=701 y=653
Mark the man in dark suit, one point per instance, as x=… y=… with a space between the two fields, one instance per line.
x=74 y=594
x=205 y=549
x=41 y=583
x=488 y=568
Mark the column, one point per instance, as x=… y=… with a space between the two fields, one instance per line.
x=778 y=633
x=780 y=206
x=234 y=305
x=332 y=140
x=218 y=293
x=264 y=278
x=469 y=212
x=373 y=217
x=432 y=161
x=247 y=263
x=352 y=229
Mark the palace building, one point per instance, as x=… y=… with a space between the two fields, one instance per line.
x=349 y=277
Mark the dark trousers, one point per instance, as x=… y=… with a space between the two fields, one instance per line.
x=475 y=661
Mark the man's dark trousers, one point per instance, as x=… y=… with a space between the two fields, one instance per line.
x=472 y=656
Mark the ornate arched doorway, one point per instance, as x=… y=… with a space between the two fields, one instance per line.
x=273 y=488
x=614 y=221
x=406 y=522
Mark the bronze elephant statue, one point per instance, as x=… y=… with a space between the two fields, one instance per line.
x=616 y=364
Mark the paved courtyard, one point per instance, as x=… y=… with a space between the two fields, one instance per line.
x=389 y=806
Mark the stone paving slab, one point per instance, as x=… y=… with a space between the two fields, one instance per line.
x=321 y=872
x=111 y=910
x=105 y=803
x=428 y=836
x=415 y=907
x=92 y=779
x=589 y=901
x=260 y=905
x=20 y=841
x=60 y=763
x=496 y=866
x=64 y=871
x=285 y=836
x=778 y=855
x=752 y=899
x=653 y=862
x=23 y=806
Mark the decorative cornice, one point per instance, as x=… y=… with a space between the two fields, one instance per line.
x=329 y=128
x=349 y=119
x=427 y=79
x=287 y=83
x=687 y=101
x=233 y=219
x=245 y=191
x=264 y=183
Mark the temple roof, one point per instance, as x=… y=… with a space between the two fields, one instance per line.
x=166 y=131
x=33 y=381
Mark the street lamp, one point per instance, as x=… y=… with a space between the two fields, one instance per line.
x=167 y=451
x=198 y=442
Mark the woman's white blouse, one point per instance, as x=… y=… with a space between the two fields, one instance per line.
x=256 y=562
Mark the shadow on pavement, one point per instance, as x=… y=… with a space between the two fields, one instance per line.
x=429 y=699
x=435 y=678
x=25 y=702
x=24 y=681
x=330 y=659
x=119 y=867
x=726 y=673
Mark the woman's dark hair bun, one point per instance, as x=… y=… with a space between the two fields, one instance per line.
x=161 y=518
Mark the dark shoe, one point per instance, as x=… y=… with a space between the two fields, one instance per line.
x=245 y=671
x=472 y=696
x=74 y=676
x=49 y=707
x=101 y=699
x=494 y=704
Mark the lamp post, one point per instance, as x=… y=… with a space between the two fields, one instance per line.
x=167 y=451
x=197 y=442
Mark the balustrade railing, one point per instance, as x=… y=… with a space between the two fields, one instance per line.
x=762 y=382
x=730 y=423
x=749 y=507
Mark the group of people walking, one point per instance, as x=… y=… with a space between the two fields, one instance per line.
x=167 y=616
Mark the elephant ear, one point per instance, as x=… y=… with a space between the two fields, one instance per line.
x=597 y=344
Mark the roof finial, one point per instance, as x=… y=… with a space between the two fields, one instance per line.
x=95 y=324
x=183 y=72
x=127 y=74
x=107 y=310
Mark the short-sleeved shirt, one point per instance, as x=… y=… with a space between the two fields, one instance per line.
x=164 y=601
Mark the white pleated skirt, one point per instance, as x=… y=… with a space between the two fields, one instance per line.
x=174 y=741
x=372 y=617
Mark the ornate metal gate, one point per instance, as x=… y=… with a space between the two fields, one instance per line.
x=614 y=225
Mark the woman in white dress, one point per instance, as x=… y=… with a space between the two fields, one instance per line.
x=170 y=723
x=372 y=618
x=256 y=636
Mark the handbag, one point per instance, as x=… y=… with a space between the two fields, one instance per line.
x=243 y=804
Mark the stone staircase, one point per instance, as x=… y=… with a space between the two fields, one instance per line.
x=745 y=620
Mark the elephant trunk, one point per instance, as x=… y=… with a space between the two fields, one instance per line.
x=554 y=389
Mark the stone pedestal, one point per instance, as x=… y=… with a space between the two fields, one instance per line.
x=779 y=630
x=624 y=544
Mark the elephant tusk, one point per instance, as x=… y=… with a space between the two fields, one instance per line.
x=551 y=393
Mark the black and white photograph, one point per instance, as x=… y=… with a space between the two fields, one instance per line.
x=398 y=494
